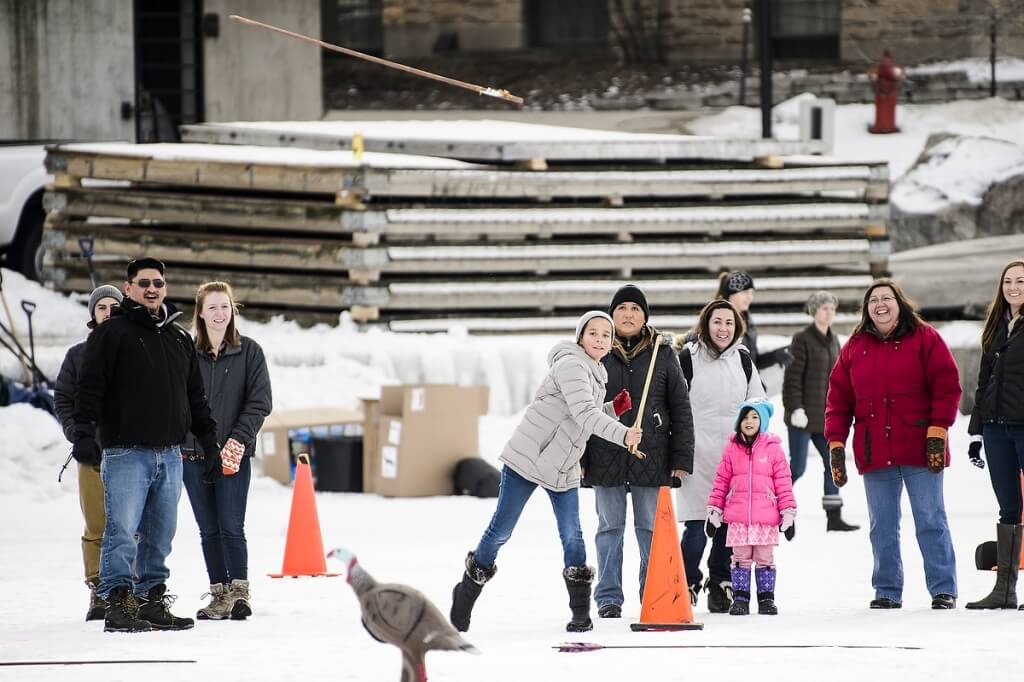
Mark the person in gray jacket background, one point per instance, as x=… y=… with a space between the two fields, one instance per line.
x=545 y=450
x=237 y=386
x=103 y=300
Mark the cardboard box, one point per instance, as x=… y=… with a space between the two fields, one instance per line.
x=274 y=444
x=421 y=432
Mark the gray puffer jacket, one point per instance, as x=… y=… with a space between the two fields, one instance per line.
x=547 y=445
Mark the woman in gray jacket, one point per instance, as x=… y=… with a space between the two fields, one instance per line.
x=237 y=386
x=545 y=450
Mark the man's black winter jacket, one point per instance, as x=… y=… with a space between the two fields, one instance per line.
x=139 y=380
x=667 y=423
x=1000 y=394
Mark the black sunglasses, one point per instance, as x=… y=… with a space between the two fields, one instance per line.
x=144 y=283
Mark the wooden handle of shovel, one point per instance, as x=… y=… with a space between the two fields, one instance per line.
x=635 y=449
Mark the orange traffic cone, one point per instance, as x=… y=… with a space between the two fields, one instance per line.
x=666 y=598
x=304 y=548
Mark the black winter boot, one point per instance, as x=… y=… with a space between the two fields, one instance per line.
x=97 y=604
x=465 y=593
x=1004 y=594
x=577 y=581
x=833 y=505
x=155 y=607
x=765 y=579
x=122 y=614
x=719 y=595
x=741 y=585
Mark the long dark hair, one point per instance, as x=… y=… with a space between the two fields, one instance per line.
x=702 y=329
x=997 y=311
x=909 y=317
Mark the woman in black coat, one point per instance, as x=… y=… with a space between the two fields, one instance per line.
x=237 y=386
x=738 y=288
x=998 y=421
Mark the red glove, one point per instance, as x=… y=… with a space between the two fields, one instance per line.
x=622 y=402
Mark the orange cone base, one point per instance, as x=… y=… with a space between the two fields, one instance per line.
x=664 y=627
x=304 y=575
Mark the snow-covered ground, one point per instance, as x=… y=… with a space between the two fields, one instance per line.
x=309 y=628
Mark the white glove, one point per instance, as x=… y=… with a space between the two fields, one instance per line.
x=715 y=517
x=798 y=418
x=788 y=517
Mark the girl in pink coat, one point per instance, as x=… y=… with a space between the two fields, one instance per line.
x=753 y=494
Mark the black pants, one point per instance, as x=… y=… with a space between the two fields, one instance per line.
x=1004 y=450
x=693 y=544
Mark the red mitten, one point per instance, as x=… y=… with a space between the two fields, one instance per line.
x=622 y=402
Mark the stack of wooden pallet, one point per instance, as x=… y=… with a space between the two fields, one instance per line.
x=491 y=226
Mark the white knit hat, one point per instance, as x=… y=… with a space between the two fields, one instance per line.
x=587 y=317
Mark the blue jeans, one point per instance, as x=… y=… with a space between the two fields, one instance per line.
x=611 y=529
x=693 y=543
x=1004 y=450
x=884 y=489
x=141 y=489
x=220 y=514
x=512 y=496
x=798 y=442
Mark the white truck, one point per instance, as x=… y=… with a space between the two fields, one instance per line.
x=23 y=179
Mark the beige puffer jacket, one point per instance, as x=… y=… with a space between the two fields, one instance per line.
x=547 y=445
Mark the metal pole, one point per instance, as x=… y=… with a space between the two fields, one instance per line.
x=764 y=53
x=743 y=57
x=992 y=53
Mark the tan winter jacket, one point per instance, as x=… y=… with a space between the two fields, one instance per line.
x=547 y=445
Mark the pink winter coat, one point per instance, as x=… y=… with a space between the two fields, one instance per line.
x=753 y=485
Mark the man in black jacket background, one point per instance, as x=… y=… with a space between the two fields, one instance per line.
x=139 y=382
x=667 y=442
x=102 y=302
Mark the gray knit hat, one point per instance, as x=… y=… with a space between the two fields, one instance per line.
x=818 y=299
x=587 y=317
x=101 y=292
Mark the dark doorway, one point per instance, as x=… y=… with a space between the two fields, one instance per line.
x=806 y=29
x=356 y=24
x=168 y=68
x=568 y=23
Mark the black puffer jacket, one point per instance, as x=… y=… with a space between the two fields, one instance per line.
x=806 y=380
x=1000 y=394
x=667 y=423
x=139 y=381
x=779 y=356
x=64 y=391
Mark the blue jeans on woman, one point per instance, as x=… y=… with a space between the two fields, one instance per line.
x=884 y=490
x=219 y=509
x=1004 y=450
x=611 y=529
x=798 y=442
x=513 y=493
x=141 y=489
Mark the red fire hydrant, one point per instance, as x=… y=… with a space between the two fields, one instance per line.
x=886 y=76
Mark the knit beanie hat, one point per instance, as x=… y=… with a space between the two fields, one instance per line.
x=630 y=293
x=734 y=282
x=818 y=299
x=587 y=317
x=764 y=410
x=99 y=293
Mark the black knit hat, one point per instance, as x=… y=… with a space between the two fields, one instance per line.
x=733 y=283
x=630 y=293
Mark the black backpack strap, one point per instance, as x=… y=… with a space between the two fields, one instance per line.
x=686 y=363
x=747 y=362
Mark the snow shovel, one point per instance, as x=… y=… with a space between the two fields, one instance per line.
x=12 y=332
x=29 y=307
x=85 y=245
x=635 y=449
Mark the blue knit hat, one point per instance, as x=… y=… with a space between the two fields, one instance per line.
x=764 y=410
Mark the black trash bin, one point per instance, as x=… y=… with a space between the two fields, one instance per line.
x=338 y=464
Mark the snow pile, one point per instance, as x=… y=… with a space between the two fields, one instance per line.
x=32 y=450
x=978 y=70
x=957 y=171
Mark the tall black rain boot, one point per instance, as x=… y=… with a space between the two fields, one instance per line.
x=1004 y=594
x=465 y=593
x=833 y=505
x=578 y=580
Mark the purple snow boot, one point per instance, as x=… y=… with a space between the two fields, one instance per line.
x=765 y=577
x=741 y=591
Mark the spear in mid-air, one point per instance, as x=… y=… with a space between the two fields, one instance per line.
x=479 y=89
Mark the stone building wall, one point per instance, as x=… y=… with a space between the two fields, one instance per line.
x=411 y=27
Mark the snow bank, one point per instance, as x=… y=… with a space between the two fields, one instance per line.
x=978 y=70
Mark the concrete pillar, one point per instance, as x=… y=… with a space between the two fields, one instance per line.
x=252 y=74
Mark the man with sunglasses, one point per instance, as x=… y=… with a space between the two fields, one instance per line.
x=140 y=382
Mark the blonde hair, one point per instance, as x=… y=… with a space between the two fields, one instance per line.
x=998 y=310
x=199 y=324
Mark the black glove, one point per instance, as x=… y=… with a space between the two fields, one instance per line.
x=974 y=453
x=86 y=451
x=783 y=357
x=710 y=529
x=790 y=532
x=212 y=465
x=837 y=460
